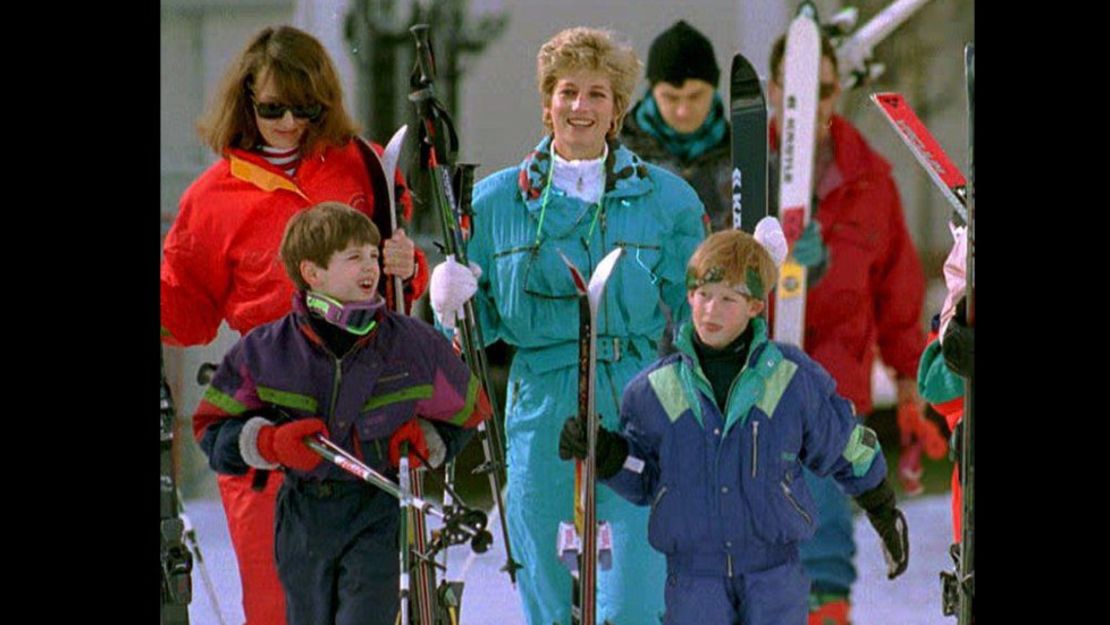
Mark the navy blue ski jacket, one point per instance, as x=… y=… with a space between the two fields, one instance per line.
x=726 y=491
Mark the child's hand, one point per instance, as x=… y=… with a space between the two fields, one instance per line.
x=424 y=442
x=611 y=448
x=284 y=444
x=892 y=529
x=890 y=524
x=572 y=440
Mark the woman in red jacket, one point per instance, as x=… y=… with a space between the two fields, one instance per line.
x=286 y=144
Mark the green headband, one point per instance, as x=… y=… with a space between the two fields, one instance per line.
x=752 y=286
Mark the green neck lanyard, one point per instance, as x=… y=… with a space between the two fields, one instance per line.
x=547 y=193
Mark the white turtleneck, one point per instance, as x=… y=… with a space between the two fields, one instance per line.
x=584 y=179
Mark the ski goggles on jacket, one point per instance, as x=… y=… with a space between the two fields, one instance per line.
x=276 y=110
x=354 y=317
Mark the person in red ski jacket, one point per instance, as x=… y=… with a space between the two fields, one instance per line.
x=866 y=289
x=286 y=143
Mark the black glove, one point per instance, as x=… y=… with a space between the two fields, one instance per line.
x=611 y=448
x=890 y=524
x=958 y=346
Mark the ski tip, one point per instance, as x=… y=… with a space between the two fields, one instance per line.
x=399 y=135
x=605 y=267
x=392 y=152
x=807 y=9
x=601 y=276
x=888 y=99
x=575 y=275
x=742 y=69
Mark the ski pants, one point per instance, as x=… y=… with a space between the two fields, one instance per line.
x=771 y=596
x=336 y=550
x=541 y=494
x=250 y=522
x=827 y=556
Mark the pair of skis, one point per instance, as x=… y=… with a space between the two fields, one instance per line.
x=748 y=112
x=588 y=543
x=801 y=70
x=431 y=603
x=414 y=530
x=450 y=198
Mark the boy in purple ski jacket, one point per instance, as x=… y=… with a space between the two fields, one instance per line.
x=714 y=438
x=343 y=365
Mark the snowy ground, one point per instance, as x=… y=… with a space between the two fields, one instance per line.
x=912 y=599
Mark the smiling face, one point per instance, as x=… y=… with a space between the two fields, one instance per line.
x=285 y=132
x=582 y=110
x=351 y=274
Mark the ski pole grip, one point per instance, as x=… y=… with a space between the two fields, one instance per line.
x=425 y=60
x=463 y=183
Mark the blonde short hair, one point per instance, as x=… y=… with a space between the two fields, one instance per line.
x=592 y=49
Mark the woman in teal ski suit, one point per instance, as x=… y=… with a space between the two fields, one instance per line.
x=583 y=194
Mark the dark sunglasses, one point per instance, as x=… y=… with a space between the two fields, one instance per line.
x=275 y=110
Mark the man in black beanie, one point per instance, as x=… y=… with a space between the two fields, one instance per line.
x=680 y=123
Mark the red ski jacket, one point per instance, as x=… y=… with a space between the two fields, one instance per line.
x=874 y=288
x=220 y=257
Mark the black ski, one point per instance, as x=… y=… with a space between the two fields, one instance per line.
x=748 y=110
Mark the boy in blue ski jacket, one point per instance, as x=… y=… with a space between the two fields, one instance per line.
x=343 y=365
x=714 y=438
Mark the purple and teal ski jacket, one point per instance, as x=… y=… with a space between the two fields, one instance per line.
x=726 y=491
x=401 y=370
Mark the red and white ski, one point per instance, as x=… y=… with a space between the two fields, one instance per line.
x=925 y=148
x=582 y=546
x=801 y=74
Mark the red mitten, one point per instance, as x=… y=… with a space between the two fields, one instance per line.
x=284 y=444
x=411 y=433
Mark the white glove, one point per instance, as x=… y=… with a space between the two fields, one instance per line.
x=954 y=279
x=768 y=233
x=452 y=285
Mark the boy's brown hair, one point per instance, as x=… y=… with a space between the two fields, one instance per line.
x=735 y=258
x=318 y=232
